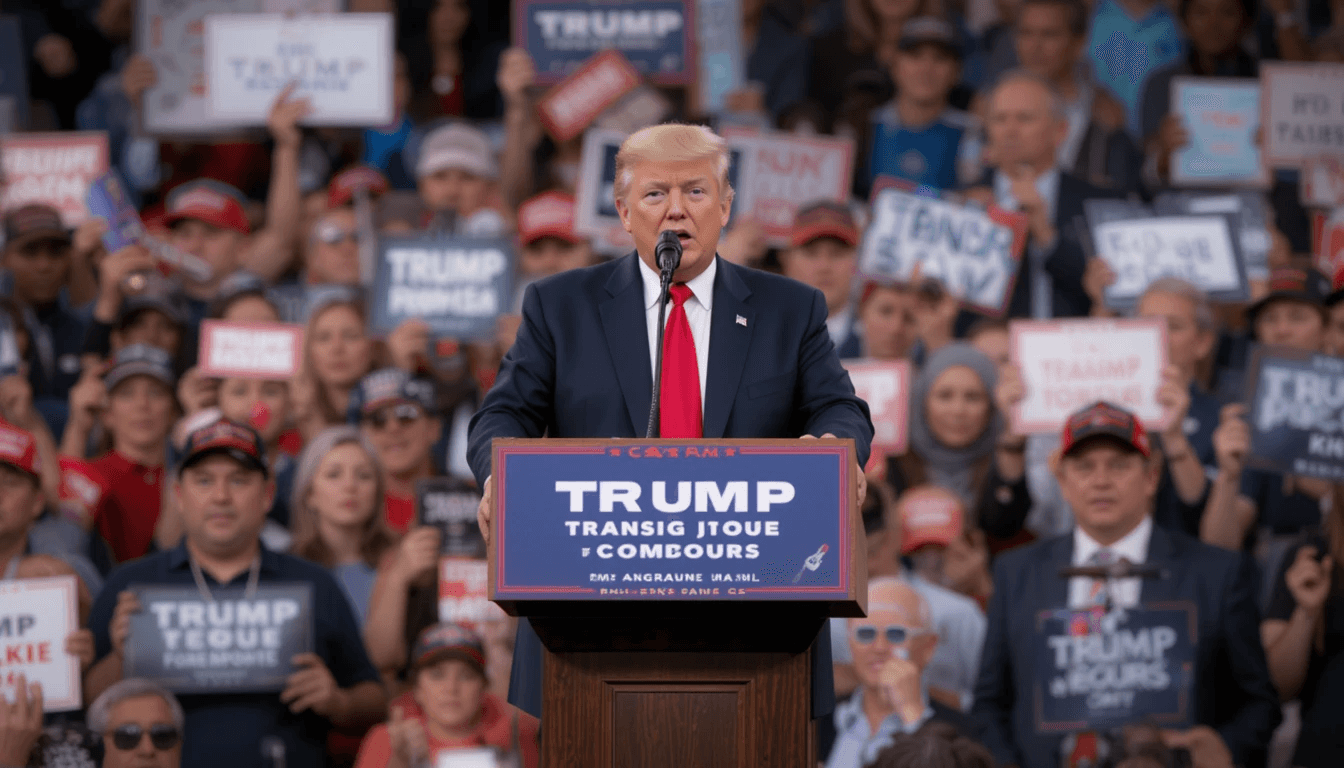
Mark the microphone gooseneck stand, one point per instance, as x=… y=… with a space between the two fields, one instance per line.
x=668 y=255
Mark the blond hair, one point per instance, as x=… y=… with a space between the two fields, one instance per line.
x=672 y=143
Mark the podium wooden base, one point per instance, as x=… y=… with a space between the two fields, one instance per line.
x=711 y=692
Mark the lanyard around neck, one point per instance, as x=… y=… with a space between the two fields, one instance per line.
x=253 y=576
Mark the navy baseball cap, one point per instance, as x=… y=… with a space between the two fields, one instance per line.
x=237 y=441
x=1102 y=419
x=389 y=386
x=448 y=641
x=159 y=294
x=933 y=31
x=139 y=360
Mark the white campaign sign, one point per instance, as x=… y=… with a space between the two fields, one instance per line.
x=343 y=64
x=1197 y=249
x=36 y=616
x=885 y=386
x=1067 y=365
x=781 y=173
x=170 y=33
x=1303 y=107
x=251 y=350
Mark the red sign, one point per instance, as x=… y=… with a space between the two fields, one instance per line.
x=1323 y=182
x=251 y=350
x=572 y=105
x=1328 y=228
x=885 y=386
x=464 y=592
x=82 y=489
x=55 y=169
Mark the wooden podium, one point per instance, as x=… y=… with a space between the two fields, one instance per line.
x=676 y=680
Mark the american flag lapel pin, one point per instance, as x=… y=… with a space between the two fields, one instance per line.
x=742 y=321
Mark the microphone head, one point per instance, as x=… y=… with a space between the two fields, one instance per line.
x=667 y=252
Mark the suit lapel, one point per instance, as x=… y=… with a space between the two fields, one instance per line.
x=731 y=324
x=1161 y=553
x=1055 y=588
x=627 y=331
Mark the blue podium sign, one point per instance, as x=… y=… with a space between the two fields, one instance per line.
x=660 y=520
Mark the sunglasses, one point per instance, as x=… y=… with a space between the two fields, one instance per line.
x=404 y=414
x=331 y=234
x=866 y=634
x=161 y=735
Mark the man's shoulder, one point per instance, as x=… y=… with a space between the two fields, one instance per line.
x=147 y=569
x=947 y=603
x=765 y=284
x=1189 y=552
x=1074 y=188
x=576 y=282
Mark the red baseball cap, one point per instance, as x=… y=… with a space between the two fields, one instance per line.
x=929 y=515
x=18 y=449
x=550 y=214
x=213 y=202
x=341 y=190
x=825 y=218
x=1102 y=419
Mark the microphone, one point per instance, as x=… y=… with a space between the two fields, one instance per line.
x=668 y=252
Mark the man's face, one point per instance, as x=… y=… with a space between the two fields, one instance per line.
x=403 y=435
x=1290 y=323
x=333 y=249
x=152 y=327
x=149 y=714
x=827 y=265
x=926 y=73
x=685 y=197
x=216 y=246
x=449 y=693
x=870 y=641
x=1187 y=344
x=888 y=317
x=1215 y=26
x=1110 y=487
x=140 y=411
x=453 y=189
x=40 y=268
x=20 y=502
x=223 y=504
x=261 y=403
x=1045 y=46
x=551 y=256
x=1022 y=127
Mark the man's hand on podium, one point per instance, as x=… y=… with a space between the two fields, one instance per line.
x=861 y=490
x=484 y=510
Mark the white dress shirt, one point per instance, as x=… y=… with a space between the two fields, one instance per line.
x=698 y=312
x=1133 y=547
x=838 y=325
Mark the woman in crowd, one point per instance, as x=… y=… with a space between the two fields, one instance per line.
x=449 y=708
x=337 y=514
x=958 y=441
x=1303 y=634
x=337 y=354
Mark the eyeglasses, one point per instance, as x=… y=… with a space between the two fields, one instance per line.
x=332 y=234
x=866 y=634
x=162 y=735
x=406 y=413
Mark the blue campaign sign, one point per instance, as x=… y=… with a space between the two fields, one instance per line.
x=560 y=35
x=740 y=520
x=1296 y=415
x=458 y=285
x=1097 y=670
x=1222 y=117
x=13 y=73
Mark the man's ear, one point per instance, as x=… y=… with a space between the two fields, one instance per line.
x=623 y=211
x=726 y=208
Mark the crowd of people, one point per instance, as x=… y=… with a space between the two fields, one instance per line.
x=122 y=464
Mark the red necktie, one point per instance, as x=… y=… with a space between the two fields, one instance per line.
x=679 y=401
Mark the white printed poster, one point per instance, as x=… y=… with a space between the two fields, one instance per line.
x=36 y=617
x=1197 y=249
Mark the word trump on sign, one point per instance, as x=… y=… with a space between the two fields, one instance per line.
x=973 y=252
x=654 y=35
x=54 y=169
x=1197 y=249
x=250 y=350
x=1067 y=365
x=233 y=642
x=36 y=617
x=1296 y=412
x=456 y=285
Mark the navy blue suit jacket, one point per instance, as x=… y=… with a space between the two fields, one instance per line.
x=580 y=365
x=1232 y=690
x=580 y=368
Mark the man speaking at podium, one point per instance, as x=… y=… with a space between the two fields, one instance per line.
x=745 y=354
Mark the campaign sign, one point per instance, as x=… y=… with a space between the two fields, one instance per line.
x=1222 y=116
x=572 y=105
x=54 y=169
x=9 y=347
x=1296 y=417
x=560 y=35
x=36 y=616
x=1303 y=107
x=719 y=43
x=108 y=201
x=1328 y=238
x=172 y=34
x=82 y=489
x=13 y=71
x=974 y=252
x=458 y=285
x=1197 y=249
x=1247 y=209
x=781 y=172
x=885 y=386
x=450 y=505
x=464 y=592
x=1323 y=182
x=342 y=63
x=679 y=520
x=1067 y=365
x=233 y=643
x=1097 y=670
x=250 y=350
